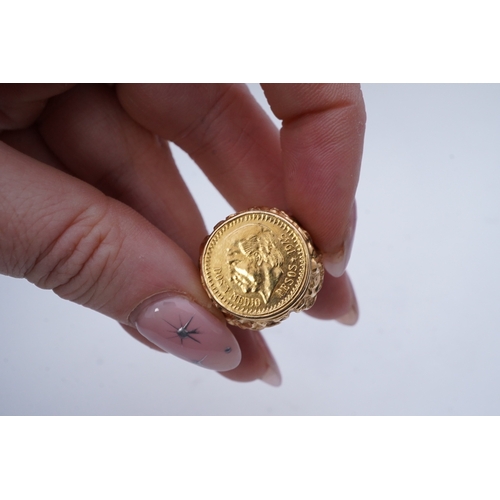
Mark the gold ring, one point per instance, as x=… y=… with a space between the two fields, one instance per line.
x=258 y=266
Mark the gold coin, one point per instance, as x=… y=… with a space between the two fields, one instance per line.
x=258 y=266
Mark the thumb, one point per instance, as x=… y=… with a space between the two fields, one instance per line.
x=62 y=234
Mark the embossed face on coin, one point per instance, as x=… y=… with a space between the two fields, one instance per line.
x=255 y=261
x=258 y=265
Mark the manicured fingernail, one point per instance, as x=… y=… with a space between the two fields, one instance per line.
x=188 y=331
x=352 y=316
x=272 y=375
x=336 y=263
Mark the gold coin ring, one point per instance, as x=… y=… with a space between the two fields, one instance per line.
x=258 y=266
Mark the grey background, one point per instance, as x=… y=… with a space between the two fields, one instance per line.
x=424 y=266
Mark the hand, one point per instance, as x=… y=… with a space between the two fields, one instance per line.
x=93 y=207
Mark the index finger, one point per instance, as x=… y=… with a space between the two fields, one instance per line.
x=322 y=144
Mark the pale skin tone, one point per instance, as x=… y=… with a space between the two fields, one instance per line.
x=93 y=207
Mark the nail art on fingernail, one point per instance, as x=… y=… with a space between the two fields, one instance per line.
x=188 y=331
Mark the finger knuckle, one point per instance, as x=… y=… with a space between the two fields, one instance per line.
x=82 y=260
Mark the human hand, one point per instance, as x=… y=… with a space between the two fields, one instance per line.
x=92 y=206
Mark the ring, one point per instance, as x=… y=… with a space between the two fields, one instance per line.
x=258 y=266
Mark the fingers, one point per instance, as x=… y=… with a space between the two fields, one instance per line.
x=21 y=104
x=336 y=301
x=237 y=147
x=229 y=136
x=322 y=142
x=223 y=129
x=62 y=234
x=98 y=142
x=30 y=142
x=86 y=253
x=102 y=145
x=257 y=362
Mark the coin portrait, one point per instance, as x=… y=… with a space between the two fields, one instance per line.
x=256 y=263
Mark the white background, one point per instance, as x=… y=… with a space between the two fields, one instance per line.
x=424 y=266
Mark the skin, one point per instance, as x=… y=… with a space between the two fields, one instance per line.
x=83 y=206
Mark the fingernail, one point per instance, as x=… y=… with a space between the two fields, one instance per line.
x=352 y=316
x=272 y=375
x=336 y=263
x=188 y=331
